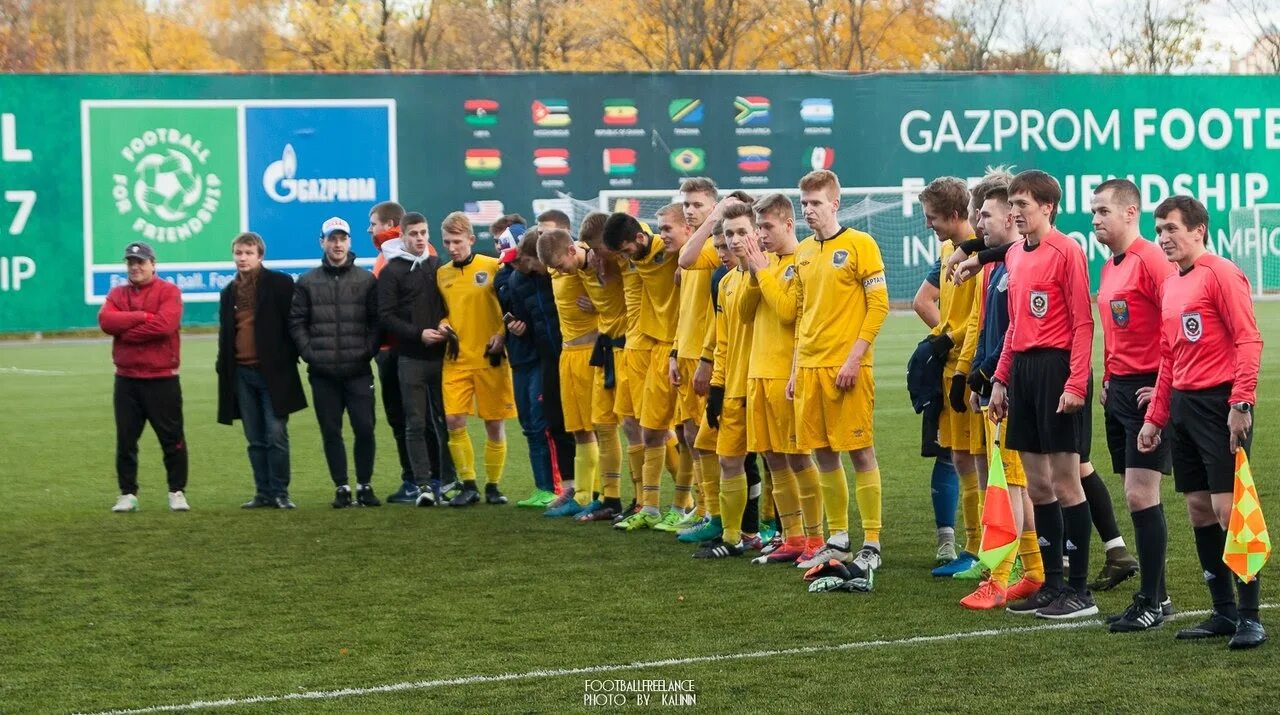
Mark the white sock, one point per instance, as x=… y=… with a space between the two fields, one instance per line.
x=840 y=541
x=1116 y=543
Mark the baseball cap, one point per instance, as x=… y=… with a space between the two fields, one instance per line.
x=138 y=249
x=333 y=225
x=508 y=241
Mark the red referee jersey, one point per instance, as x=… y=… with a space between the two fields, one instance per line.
x=1208 y=335
x=1129 y=307
x=1049 y=305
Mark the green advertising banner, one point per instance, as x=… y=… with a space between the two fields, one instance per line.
x=185 y=162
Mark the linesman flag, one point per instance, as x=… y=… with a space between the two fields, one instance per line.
x=999 y=532
x=1248 y=543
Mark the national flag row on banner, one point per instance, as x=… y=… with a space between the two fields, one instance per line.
x=748 y=111
x=621 y=161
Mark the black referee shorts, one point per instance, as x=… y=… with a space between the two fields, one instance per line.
x=1202 y=458
x=1035 y=386
x=1124 y=421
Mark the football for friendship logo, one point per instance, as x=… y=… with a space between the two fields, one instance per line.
x=170 y=191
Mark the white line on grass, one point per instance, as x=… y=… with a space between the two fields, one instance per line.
x=639 y=665
x=29 y=371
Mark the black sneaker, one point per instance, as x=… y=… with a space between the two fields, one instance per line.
x=626 y=512
x=284 y=502
x=1120 y=567
x=1166 y=610
x=493 y=496
x=1028 y=606
x=1070 y=603
x=365 y=497
x=1215 y=626
x=342 y=497
x=1141 y=615
x=258 y=502
x=466 y=497
x=719 y=549
x=1249 y=634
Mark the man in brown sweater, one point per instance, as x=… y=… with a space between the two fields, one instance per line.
x=258 y=368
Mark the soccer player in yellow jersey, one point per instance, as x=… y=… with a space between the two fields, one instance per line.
x=579 y=328
x=655 y=261
x=770 y=415
x=841 y=303
x=475 y=379
x=946 y=209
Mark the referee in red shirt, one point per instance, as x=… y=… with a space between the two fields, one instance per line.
x=1042 y=385
x=1210 y=354
x=1129 y=307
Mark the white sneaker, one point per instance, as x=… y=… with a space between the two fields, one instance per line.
x=125 y=503
x=178 y=502
x=825 y=554
x=868 y=559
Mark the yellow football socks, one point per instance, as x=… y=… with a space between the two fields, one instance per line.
x=786 y=494
x=709 y=465
x=971 y=504
x=495 y=460
x=635 y=458
x=1029 y=550
x=652 y=476
x=464 y=455
x=586 y=467
x=810 y=501
x=684 y=480
x=867 y=492
x=733 y=501
x=610 y=461
x=835 y=499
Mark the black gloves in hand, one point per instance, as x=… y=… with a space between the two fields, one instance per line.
x=958 y=403
x=941 y=345
x=715 y=405
x=451 y=347
x=979 y=382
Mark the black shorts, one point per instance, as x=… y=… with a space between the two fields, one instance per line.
x=1036 y=382
x=1202 y=458
x=1124 y=421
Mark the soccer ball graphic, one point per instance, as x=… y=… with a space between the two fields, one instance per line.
x=167 y=185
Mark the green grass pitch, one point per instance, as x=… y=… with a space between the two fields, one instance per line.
x=101 y=611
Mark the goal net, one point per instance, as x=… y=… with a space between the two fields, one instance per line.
x=1254 y=244
x=893 y=217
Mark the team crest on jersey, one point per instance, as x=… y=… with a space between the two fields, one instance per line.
x=1120 y=313
x=1192 y=327
x=660 y=258
x=789 y=273
x=1039 y=303
x=482 y=277
x=839 y=258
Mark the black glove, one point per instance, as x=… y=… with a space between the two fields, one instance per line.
x=979 y=383
x=495 y=358
x=715 y=405
x=941 y=345
x=451 y=347
x=958 y=403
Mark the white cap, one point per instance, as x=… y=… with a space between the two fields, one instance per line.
x=335 y=224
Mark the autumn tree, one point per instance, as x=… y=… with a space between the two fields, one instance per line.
x=1149 y=36
x=864 y=35
x=1261 y=20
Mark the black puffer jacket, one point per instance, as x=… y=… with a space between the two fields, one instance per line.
x=334 y=319
x=529 y=298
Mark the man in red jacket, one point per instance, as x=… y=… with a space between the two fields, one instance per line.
x=1210 y=356
x=143 y=318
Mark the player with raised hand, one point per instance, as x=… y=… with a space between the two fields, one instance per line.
x=1041 y=385
x=841 y=303
x=946 y=209
x=770 y=415
x=1129 y=298
x=475 y=379
x=1210 y=356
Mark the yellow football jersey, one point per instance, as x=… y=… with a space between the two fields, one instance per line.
x=471 y=303
x=973 y=326
x=733 y=336
x=632 y=292
x=606 y=293
x=773 y=338
x=695 y=303
x=658 y=300
x=574 y=321
x=954 y=304
x=841 y=296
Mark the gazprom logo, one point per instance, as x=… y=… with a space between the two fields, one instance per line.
x=282 y=184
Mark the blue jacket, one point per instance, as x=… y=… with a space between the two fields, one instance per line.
x=924 y=378
x=528 y=297
x=995 y=321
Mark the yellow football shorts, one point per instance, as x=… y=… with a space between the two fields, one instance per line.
x=771 y=418
x=732 y=440
x=602 y=400
x=576 y=385
x=482 y=391
x=839 y=420
x=658 y=405
x=1014 y=474
x=690 y=405
x=630 y=381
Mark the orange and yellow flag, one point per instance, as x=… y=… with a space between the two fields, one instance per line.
x=999 y=532
x=1248 y=543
